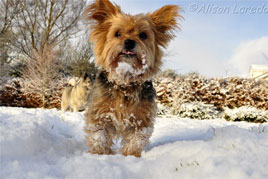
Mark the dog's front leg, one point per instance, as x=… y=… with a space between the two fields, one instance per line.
x=99 y=138
x=135 y=140
x=75 y=108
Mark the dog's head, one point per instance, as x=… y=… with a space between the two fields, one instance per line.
x=128 y=47
x=86 y=81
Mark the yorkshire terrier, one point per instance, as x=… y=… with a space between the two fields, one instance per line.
x=128 y=52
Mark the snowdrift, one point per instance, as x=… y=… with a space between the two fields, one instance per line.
x=38 y=143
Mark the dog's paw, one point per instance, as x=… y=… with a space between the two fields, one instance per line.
x=131 y=151
x=100 y=151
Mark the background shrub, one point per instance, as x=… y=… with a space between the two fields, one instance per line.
x=246 y=113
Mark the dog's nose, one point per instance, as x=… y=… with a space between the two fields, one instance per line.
x=129 y=44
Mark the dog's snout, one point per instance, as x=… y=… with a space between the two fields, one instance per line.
x=129 y=44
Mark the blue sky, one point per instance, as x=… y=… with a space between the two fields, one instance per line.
x=218 y=38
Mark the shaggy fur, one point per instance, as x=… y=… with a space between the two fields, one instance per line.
x=75 y=95
x=128 y=52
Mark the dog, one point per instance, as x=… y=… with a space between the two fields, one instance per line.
x=128 y=52
x=75 y=95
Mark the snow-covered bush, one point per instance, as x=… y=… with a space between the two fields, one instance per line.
x=185 y=95
x=13 y=94
x=229 y=92
x=163 y=109
x=197 y=110
x=246 y=113
x=10 y=93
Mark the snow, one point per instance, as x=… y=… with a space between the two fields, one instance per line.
x=38 y=143
x=124 y=68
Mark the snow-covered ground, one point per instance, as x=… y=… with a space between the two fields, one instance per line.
x=38 y=143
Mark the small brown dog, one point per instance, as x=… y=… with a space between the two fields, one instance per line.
x=128 y=51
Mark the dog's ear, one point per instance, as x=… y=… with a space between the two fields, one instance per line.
x=100 y=10
x=165 y=21
x=85 y=76
x=92 y=77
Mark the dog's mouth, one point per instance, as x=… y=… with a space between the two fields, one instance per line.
x=128 y=54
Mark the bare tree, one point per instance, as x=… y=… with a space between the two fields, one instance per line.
x=42 y=73
x=47 y=22
x=8 y=11
x=78 y=57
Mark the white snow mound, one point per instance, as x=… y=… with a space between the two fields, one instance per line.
x=38 y=143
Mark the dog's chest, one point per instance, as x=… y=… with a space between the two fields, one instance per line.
x=123 y=106
x=124 y=112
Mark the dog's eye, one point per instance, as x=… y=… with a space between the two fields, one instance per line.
x=117 y=34
x=143 y=36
